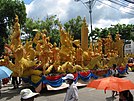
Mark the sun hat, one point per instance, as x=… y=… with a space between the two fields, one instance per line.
x=27 y=93
x=68 y=76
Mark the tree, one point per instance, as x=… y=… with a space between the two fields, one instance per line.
x=50 y=26
x=95 y=34
x=73 y=26
x=1 y=45
x=126 y=31
x=8 y=10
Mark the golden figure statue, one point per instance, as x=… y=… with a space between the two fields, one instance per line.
x=70 y=57
x=64 y=37
x=37 y=37
x=119 y=45
x=15 y=37
x=99 y=42
x=90 y=51
x=55 y=52
x=27 y=46
x=108 y=44
x=78 y=56
x=67 y=48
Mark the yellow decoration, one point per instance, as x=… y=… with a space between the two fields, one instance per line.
x=71 y=56
x=35 y=79
x=84 y=36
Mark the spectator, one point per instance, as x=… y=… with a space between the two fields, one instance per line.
x=15 y=82
x=115 y=74
x=125 y=96
x=72 y=91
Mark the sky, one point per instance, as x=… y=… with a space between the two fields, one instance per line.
x=104 y=12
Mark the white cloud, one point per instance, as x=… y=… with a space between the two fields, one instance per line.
x=41 y=9
x=103 y=4
x=126 y=9
x=102 y=14
x=102 y=23
x=124 y=21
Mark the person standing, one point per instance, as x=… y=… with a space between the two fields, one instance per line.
x=27 y=95
x=72 y=91
x=115 y=74
x=15 y=82
x=125 y=96
x=0 y=87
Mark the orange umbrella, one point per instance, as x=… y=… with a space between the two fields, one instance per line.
x=111 y=83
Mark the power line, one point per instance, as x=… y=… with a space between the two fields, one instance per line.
x=130 y=1
x=114 y=7
x=125 y=3
x=121 y=4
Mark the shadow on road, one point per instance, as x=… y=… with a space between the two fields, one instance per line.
x=53 y=92
x=110 y=98
x=10 y=93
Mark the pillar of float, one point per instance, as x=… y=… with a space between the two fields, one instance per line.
x=84 y=36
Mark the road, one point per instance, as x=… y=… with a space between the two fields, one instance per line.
x=85 y=94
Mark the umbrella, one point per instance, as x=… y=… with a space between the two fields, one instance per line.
x=111 y=83
x=4 y=72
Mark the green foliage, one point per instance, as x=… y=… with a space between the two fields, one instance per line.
x=50 y=26
x=126 y=31
x=95 y=33
x=1 y=45
x=8 y=10
x=104 y=32
x=73 y=26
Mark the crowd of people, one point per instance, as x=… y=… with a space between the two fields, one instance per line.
x=123 y=95
x=72 y=91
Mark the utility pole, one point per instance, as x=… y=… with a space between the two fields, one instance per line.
x=89 y=5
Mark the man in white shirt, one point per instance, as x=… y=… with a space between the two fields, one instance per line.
x=72 y=91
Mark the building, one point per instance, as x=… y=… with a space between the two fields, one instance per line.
x=129 y=47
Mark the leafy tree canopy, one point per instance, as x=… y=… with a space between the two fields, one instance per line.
x=126 y=31
x=73 y=26
x=49 y=26
x=10 y=8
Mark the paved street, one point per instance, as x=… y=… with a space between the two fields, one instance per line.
x=85 y=94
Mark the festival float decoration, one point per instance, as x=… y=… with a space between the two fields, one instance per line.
x=46 y=63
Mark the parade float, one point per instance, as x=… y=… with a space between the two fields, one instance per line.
x=38 y=61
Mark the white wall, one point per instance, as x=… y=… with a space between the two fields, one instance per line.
x=129 y=48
